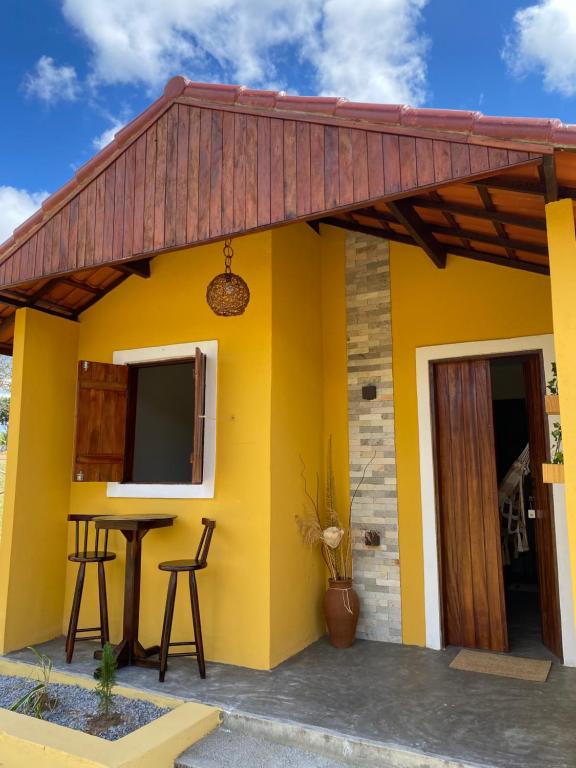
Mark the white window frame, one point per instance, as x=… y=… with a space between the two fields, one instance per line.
x=205 y=490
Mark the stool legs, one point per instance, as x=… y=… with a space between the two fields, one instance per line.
x=73 y=630
x=197 y=625
x=75 y=612
x=167 y=627
x=104 y=630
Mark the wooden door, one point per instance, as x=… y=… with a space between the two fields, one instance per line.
x=473 y=602
x=544 y=523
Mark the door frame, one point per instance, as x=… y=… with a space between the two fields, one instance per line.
x=425 y=356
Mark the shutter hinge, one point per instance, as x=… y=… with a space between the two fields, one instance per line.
x=85 y=365
x=79 y=476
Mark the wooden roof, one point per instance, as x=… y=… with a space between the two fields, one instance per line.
x=209 y=161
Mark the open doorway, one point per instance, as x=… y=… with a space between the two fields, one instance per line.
x=517 y=506
x=497 y=550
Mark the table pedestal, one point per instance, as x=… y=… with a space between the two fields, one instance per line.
x=129 y=650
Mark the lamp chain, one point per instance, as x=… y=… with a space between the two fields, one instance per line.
x=228 y=253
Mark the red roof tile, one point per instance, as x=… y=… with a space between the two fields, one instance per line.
x=547 y=130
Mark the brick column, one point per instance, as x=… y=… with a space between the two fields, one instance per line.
x=371 y=431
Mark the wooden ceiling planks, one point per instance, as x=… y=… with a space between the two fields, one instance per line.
x=198 y=174
x=474 y=220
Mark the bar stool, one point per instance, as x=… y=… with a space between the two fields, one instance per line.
x=83 y=556
x=174 y=567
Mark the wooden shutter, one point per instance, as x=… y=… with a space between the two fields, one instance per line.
x=100 y=422
x=474 y=610
x=199 y=401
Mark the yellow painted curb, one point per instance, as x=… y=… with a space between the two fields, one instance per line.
x=26 y=741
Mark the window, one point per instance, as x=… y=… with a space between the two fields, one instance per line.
x=160 y=428
x=146 y=424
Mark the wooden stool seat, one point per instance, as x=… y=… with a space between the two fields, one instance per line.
x=174 y=567
x=182 y=565
x=84 y=556
x=92 y=557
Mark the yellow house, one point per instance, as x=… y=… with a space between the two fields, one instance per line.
x=411 y=276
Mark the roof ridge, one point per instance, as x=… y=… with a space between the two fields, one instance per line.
x=536 y=129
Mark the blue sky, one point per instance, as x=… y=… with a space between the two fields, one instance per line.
x=73 y=71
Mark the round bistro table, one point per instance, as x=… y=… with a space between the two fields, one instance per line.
x=134 y=527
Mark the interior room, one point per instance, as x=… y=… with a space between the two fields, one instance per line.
x=517 y=505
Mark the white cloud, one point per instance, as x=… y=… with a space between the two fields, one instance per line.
x=544 y=40
x=99 y=142
x=16 y=205
x=373 y=50
x=51 y=82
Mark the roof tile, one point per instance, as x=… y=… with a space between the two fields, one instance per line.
x=255 y=98
x=439 y=119
x=318 y=105
x=375 y=113
x=520 y=128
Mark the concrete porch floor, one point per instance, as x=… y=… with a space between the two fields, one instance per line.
x=392 y=694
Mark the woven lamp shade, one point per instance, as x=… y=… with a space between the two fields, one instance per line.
x=228 y=295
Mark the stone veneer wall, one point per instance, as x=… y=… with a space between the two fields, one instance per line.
x=371 y=433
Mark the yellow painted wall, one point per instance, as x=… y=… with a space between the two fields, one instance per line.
x=282 y=383
x=562 y=251
x=467 y=301
x=170 y=308
x=297 y=575
x=33 y=545
x=280 y=373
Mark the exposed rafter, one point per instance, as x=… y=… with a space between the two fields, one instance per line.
x=466 y=235
x=120 y=279
x=419 y=231
x=547 y=171
x=503 y=261
x=503 y=242
x=72 y=283
x=469 y=253
x=498 y=226
x=22 y=304
x=481 y=213
x=140 y=267
x=525 y=187
x=450 y=220
x=373 y=213
x=354 y=226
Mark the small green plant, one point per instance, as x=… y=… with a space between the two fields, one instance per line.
x=557 y=452
x=553 y=382
x=37 y=701
x=106 y=679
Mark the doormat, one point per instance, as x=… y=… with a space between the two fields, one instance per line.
x=534 y=670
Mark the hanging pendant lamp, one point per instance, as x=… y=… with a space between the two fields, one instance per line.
x=228 y=294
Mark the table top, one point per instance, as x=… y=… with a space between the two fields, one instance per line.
x=134 y=522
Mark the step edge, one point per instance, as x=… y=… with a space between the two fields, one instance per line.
x=335 y=744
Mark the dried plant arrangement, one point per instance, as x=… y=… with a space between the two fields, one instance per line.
x=320 y=524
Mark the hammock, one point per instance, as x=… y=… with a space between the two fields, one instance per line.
x=513 y=508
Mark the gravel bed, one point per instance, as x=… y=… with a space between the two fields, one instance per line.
x=75 y=706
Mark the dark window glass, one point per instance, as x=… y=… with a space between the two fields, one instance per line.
x=162 y=426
